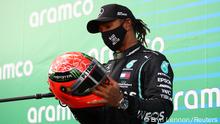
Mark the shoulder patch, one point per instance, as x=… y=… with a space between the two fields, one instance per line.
x=164 y=67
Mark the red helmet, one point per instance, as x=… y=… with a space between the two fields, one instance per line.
x=72 y=76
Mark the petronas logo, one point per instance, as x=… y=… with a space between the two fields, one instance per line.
x=130 y=64
x=164 y=67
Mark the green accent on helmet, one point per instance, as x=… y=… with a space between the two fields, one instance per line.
x=75 y=72
x=87 y=56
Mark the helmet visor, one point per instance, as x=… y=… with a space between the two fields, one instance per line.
x=91 y=77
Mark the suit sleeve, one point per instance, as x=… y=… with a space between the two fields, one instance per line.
x=154 y=103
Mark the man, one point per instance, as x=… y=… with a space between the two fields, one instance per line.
x=140 y=80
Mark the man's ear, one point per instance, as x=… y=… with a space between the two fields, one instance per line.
x=127 y=24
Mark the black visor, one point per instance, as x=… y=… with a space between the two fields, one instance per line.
x=92 y=76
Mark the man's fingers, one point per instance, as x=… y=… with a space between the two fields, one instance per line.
x=100 y=88
x=99 y=93
x=109 y=78
x=112 y=81
x=102 y=101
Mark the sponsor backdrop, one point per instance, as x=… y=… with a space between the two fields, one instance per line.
x=34 y=32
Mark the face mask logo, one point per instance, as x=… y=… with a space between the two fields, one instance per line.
x=114 y=38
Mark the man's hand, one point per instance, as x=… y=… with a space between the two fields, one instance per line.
x=109 y=91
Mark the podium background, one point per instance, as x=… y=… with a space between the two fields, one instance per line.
x=34 y=32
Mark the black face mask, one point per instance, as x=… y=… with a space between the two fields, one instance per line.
x=114 y=38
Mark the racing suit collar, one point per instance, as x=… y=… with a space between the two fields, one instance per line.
x=127 y=52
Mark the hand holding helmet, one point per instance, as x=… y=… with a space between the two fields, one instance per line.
x=110 y=92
